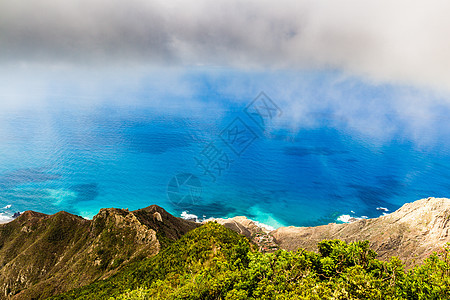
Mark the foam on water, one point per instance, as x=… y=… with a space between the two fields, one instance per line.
x=349 y=218
x=5 y=218
x=264 y=226
x=187 y=216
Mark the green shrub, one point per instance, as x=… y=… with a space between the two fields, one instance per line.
x=212 y=262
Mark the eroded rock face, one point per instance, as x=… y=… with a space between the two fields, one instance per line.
x=42 y=255
x=412 y=232
x=157 y=216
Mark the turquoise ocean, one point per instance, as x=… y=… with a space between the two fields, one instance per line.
x=79 y=159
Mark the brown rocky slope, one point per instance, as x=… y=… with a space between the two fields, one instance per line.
x=411 y=233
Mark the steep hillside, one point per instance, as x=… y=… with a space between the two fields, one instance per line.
x=42 y=255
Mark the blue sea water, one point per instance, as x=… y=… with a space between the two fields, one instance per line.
x=82 y=159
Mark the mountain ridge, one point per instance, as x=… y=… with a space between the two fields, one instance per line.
x=42 y=255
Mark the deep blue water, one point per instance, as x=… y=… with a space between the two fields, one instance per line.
x=83 y=159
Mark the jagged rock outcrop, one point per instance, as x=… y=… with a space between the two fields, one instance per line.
x=412 y=232
x=43 y=255
x=169 y=226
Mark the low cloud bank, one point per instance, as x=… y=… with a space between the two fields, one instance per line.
x=389 y=41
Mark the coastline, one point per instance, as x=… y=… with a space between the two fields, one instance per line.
x=341 y=219
x=185 y=215
x=390 y=233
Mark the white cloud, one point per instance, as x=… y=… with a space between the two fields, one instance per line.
x=393 y=41
x=121 y=51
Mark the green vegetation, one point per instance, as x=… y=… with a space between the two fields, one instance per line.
x=212 y=262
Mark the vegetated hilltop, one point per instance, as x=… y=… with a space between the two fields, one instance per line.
x=42 y=255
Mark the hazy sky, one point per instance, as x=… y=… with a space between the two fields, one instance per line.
x=404 y=41
x=360 y=60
